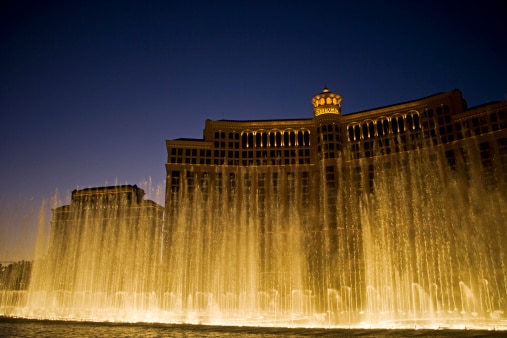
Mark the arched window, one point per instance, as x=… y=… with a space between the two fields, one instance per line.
x=380 y=130
x=264 y=139
x=257 y=139
x=394 y=125
x=292 y=138
x=417 y=122
x=286 y=138
x=357 y=132
x=371 y=128
x=300 y=139
x=250 y=140
x=306 y=137
x=410 y=124
x=351 y=133
x=244 y=140
x=278 y=139
x=401 y=124
x=365 y=131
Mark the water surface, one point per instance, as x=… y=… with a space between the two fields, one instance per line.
x=14 y=327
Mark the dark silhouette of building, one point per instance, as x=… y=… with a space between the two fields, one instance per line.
x=106 y=239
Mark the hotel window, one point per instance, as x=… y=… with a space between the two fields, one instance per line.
x=365 y=131
x=258 y=140
x=502 y=119
x=351 y=133
x=485 y=154
x=357 y=133
x=394 y=126
x=250 y=142
x=494 y=121
x=286 y=139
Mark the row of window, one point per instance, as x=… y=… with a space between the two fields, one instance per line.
x=489 y=152
x=385 y=146
x=232 y=157
x=389 y=133
x=263 y=138
x=285 y=138
x=103 y=200
x=263 y=181
x=384 y=126
x=482 y=124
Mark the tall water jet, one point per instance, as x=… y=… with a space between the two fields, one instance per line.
x=103 y=257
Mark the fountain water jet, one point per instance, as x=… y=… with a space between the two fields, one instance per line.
x=424 y=246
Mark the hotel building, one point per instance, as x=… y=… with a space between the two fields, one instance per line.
x=105 y=240
x=299 y=154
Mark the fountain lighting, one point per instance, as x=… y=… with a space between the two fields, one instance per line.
x=407 y=239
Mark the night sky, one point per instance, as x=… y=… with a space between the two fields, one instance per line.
x=90 y=90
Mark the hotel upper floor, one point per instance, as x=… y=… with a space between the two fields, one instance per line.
x=440 y=119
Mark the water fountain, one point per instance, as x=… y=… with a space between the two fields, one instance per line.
x=425 y=247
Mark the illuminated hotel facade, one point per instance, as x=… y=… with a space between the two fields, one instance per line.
x=300 y=154
x=301 y=216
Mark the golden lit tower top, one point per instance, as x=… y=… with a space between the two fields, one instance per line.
x=327 y=103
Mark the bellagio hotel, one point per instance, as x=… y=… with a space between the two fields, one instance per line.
x=292 y=157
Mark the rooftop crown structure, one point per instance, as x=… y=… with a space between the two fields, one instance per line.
x=326 y=103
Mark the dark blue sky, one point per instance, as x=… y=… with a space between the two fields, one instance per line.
x=90 y=90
